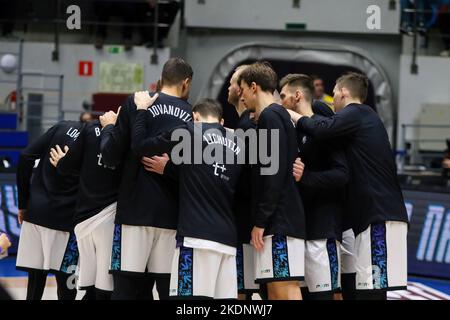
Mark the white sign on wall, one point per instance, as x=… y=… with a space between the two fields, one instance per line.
x=122 y=77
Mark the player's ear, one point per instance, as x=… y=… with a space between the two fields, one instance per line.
x=344 y=92
x=298 y=95
x=222 y=121
x=253 y=87
x=187 y=82
x=196 y=117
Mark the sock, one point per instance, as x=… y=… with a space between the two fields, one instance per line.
x=36 y=284
x=102 y=294
x=371 y=295
x=163 y=285
x=66 y=290
x=90 y=294
x=348 y=282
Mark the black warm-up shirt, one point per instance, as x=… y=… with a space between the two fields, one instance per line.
x=48 y=197
x=99 y=183
x=206 y=191
x=243 y=196
x=322 y=185
x=145 y=198
x=374 y=193
x=277 y=205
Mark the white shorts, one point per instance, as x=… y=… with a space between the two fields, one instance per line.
x=246 y=269
x=95 y=238
x=282 y=259
x=322 y=269
x=347 y=252
x=203 y=273
x=46 y=249
x=138 y=249
x=381 y=256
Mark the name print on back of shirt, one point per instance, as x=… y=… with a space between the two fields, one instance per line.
x=73 y=133
x=161 y=109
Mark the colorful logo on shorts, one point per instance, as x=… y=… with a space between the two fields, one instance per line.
x=240 y=267
x=280 y=257
x=379 y=255
x=70 y=255
x=116 y=248
x=334 y=263
x=185 y=272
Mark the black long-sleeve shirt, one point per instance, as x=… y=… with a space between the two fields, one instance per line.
x=277 y=205
x=145 y=198
x=99 y=184
x=206 y=191
x=243 y=196
x=374 y=193
x=322 y=186
x=48 y=197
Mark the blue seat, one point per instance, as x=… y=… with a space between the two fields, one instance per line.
x=8 y=120
x=13 y=139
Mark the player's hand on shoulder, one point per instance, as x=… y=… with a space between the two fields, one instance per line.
x=294 y=115
x=156 y=163
x=143 y=100
x=57 y=154
x=109 y=117
x=298 y=169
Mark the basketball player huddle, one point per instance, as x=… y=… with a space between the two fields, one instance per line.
x=160 y=194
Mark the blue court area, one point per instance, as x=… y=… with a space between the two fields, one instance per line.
x=8 y=268
x=440 y=285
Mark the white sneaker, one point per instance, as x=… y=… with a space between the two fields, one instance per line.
x=445 y=53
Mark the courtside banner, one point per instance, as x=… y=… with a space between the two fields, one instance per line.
x=429 y=233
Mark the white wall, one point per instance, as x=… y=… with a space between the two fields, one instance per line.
x=430 y=86
x=37 y=57
x=317 y=15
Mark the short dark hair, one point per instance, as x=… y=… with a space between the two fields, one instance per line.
x=356 y=83
x=209 y=107
x=299 y=80
x=175 y=70
x=315 y=77
x=262 y=74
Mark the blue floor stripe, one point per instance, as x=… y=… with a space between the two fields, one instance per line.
x=440 y=285
x=8 y=268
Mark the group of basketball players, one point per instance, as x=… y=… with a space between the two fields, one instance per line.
x=111 y=200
